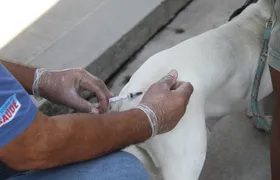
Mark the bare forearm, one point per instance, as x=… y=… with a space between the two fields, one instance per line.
x=77 y=137
x=275 y=147
x=24 y=74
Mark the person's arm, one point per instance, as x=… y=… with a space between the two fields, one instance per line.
x=59 y=140
x=275 y=145
x=63 y=86
x=275 y=137
x=24 y=74
x=31 y=140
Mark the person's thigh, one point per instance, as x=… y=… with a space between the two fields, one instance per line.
x=274 y=62
x=116 y=166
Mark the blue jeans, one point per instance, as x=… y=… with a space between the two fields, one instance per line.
x=116 y=166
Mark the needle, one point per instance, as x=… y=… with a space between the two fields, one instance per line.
x=124 y=97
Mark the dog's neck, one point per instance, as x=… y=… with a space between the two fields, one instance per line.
x=254 y=17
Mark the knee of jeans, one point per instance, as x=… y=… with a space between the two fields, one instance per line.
x=119 y=165
x=129 y=167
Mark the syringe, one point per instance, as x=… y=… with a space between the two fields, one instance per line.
x=121 y=98
x=124 y=97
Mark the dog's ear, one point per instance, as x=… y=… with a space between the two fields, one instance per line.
x=241 y=9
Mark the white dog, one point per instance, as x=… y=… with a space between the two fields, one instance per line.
x=221 y=65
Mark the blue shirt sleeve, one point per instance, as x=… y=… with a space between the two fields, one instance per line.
x=17 y=111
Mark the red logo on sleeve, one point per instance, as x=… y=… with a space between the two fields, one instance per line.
x=9 y=110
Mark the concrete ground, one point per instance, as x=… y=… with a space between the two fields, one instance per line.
x=236 y=150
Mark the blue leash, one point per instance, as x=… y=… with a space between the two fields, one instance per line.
x=258 y=117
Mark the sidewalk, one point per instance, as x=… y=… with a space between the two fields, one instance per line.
x=97 y=34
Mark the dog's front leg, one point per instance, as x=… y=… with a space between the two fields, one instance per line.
x=180 y=154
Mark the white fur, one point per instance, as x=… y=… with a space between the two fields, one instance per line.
x=221 y=65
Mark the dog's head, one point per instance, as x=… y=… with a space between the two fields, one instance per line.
x=239 y=10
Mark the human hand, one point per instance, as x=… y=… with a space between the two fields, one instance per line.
x=165 y=102
x=64 y=86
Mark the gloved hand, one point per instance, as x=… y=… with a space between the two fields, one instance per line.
x=165 y=102
x=63 y=87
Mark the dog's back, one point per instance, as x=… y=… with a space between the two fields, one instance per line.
x=210 y=61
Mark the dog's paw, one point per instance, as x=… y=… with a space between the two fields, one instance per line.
x=257 y=125
x=269 y=120
x=249 y=113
